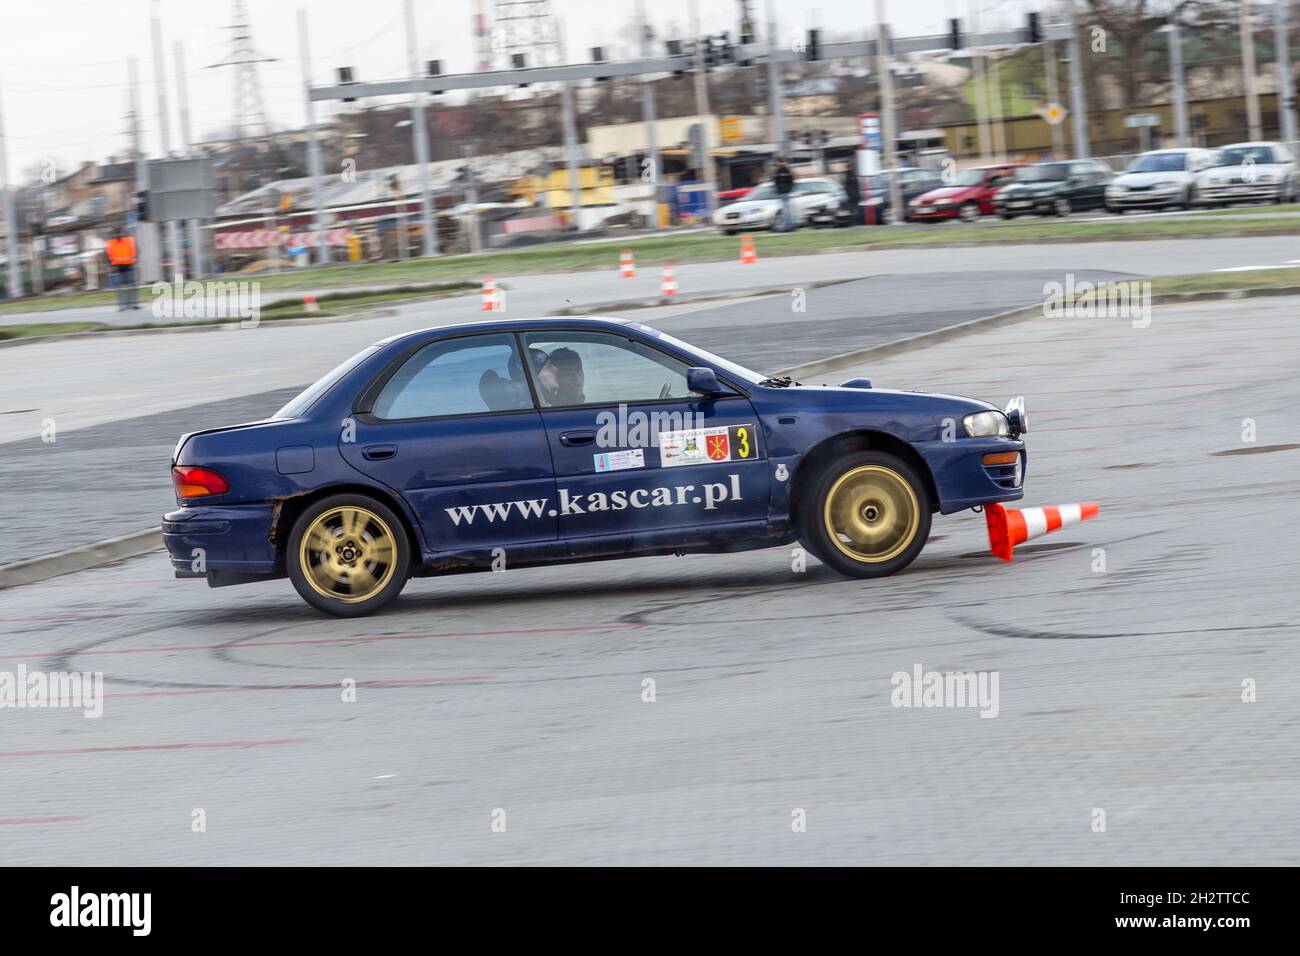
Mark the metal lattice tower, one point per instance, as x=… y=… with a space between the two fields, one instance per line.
x=249 y=117
x=528 y=27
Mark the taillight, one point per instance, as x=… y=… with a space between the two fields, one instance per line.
x=198 y=483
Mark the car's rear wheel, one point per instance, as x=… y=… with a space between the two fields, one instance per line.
x=1062 y=207
x=867 y=516
x=348 y=555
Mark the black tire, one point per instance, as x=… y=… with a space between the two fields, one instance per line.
x=1062 y=207
x=906 y=502
x=970 y=212
x=304 y=565
x=1007 y=215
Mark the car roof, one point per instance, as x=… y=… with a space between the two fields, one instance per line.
x=1257 y=142
x=601 y=322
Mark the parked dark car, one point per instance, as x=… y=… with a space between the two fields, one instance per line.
x=1055 y=189
x=913 y=182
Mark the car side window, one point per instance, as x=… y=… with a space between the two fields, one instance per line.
x=462 y=376
x=599 y=368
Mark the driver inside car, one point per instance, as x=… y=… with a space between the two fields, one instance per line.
x=561 y=379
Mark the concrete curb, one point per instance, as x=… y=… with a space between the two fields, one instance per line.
x=923 y=339
x=82 y=558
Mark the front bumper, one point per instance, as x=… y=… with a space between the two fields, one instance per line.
x=220 y=538
x=1144 y=199
x=922 y=213
x=1025 y=205
x=1241 y=192
x=964 y=481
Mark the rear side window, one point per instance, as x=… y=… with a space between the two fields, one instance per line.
x=464 y=376
x=307 y=397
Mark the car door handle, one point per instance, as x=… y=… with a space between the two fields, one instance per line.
x=577 y=438
x=378 y=452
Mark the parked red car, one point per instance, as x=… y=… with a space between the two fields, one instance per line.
x=968 y=197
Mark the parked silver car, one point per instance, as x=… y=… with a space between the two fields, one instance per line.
x=1250 y=172
x=1160 y=179
x=761 y=207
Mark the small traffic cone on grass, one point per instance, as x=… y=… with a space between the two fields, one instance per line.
x=309 y=303
x=626 y=265
x=748 y=254
x=1009 y=527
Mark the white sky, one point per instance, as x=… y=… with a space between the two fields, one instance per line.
x=63 y=73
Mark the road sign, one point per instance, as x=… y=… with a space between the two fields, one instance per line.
x=1054 y=113
x=869 y=130
x=1139 y=120
x=729 y=129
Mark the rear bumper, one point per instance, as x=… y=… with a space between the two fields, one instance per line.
x=1241 y=192
x=220 y=538
x=964 y=481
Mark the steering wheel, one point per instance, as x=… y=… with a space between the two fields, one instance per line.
x=666 y=390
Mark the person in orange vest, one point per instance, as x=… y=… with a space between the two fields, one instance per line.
x=121 y=262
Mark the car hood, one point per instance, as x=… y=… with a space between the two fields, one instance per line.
x=1032 y=189
x=750 y=205
x=948 y=194
x=1149 y=179
x=1238 y=173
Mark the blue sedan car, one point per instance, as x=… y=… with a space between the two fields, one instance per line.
x=537 y=441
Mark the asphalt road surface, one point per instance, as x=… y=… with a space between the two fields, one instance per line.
x=1120 y=690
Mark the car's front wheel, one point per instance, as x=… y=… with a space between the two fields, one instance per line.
x=1062 y=207
x=970 y=212
x=867 y=515
x=348 y=555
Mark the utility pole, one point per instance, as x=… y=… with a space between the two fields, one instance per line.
x=702 y=105
x=471 y=185
x=164 y=127
x=1248 y=70
x=777 y=104
x=571 y=150
x=421 y=133
x=11 y=218
x=313 y=142
x=648 y=103
x=183 y=103
x=1078 y=102
x=1176 y=81
x=978 y=68
x=1053 y=96
x=888 y=122
x=1285 y=89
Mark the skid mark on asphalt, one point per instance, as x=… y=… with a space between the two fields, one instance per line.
x=142 y=748
x=1019 y=633
x=37 y=821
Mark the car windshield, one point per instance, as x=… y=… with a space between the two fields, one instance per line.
x=1239 y=155
x=307 y=397
x=1159 y=163
x=748 y=376
x=971 y=177
x=1045 y=173
x=762 y=191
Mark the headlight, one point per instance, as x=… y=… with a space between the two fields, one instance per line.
x=1016 y=417
x=986 y=425
x=1168 y=184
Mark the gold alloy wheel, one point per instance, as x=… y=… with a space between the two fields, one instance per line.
x=871 y=513
x=348 y=554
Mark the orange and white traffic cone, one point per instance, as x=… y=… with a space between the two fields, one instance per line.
x=491 y=298
x=668 y=281
x=748 y=253
x=1009 y=527
x=626 y=265
x=309 y=303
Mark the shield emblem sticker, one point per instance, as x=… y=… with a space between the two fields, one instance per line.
x=718 y=447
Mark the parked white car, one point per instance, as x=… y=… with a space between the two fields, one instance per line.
x=1161 y=178
x=1248 y=172
x=762 y=206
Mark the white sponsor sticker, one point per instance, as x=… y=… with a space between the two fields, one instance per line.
x=702 y=446
x=619 y=460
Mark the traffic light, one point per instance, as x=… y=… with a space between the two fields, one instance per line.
x=954 y=34
x=345 y=77
x=140 y=205
x=674 y=48
x=519 y=62
x=1034 y=28
x=598 y=56
x=813 y=48
x=433 y=68
x=710 y=53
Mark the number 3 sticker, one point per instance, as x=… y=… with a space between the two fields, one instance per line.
x=741 y=441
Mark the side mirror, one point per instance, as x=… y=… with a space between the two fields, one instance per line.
x=705 y=382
